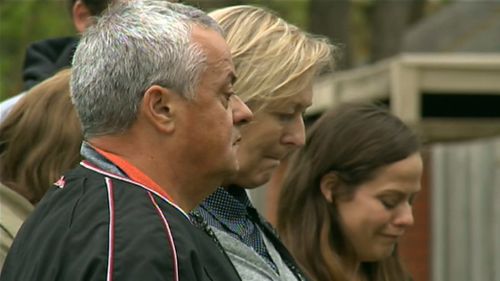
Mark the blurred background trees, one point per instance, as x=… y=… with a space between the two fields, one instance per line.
x=22 y=22
x=367 y=30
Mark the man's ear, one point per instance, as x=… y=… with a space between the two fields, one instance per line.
x=158 y=106
x=327 y=185
x=82 y=17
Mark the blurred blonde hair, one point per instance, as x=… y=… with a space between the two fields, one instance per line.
x=40 y=138
x=273 y=59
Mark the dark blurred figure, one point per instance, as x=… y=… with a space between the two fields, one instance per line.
x=46 y=57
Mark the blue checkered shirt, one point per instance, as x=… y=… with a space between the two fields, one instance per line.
x=227 y=210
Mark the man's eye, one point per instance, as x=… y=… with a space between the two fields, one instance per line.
x=230 y=93
x=227 y=97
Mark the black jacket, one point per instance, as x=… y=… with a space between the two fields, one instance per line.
x=94 y=225
x=44 y=58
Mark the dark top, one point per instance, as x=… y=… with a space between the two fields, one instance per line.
x=230 y=210
x=95 y=225
x=44 y=58
x=227 y=211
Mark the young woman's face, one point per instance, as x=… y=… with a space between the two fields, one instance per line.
x=380 y=210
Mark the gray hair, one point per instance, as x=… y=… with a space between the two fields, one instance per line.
x=134 y=45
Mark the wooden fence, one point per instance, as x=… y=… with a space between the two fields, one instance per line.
x=465 y=211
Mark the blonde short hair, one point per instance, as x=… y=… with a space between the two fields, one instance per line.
x=273 y=59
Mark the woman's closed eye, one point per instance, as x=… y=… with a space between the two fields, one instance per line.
x=389 y=204
x=285 y=117
x=392 y=200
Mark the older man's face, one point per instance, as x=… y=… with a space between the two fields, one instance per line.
x=213 y=117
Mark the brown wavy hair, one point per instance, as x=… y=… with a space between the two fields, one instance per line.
x=40 y=138
x=354 y=141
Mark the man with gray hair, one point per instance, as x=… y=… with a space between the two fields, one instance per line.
x=152 y=85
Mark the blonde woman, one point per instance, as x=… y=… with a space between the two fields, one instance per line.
x=276 y=64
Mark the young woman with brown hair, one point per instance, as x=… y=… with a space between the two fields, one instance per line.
x=347 y=197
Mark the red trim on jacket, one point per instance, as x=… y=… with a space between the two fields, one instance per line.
x=134 y=173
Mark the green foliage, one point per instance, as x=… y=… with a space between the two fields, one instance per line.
x=22 y=22
x=294 y=11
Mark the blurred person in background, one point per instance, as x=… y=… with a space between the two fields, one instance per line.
x=347 y=195
x=276 y=64
x=46 y=57
x=27 y=140
x=39 y=140
x=36 y=145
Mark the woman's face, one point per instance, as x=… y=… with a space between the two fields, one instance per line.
x=380 y=210
x=275 y=131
